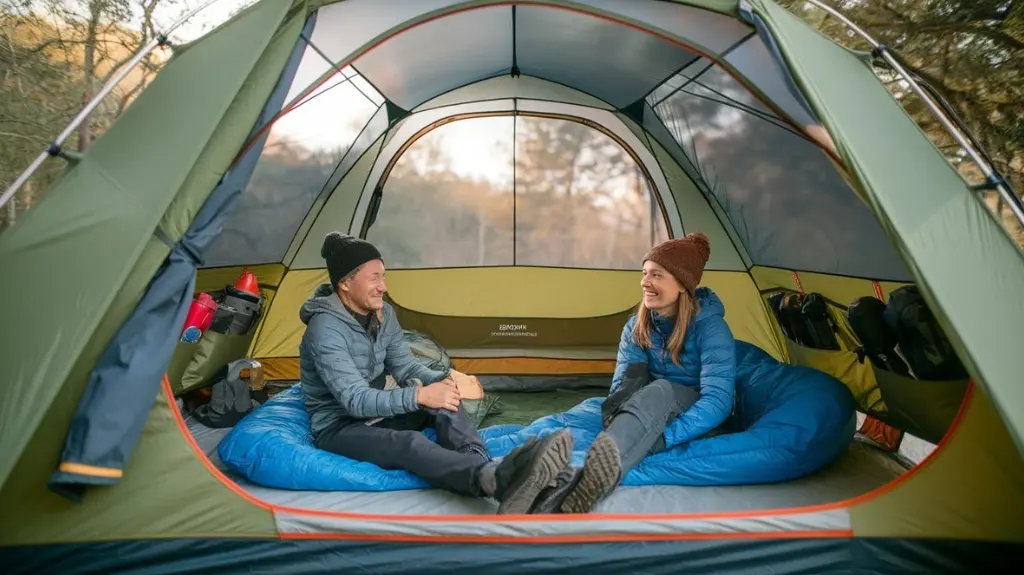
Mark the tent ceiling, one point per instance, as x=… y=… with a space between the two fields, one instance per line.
x=345 y=27
x=416 y=65
x=619 y=64
x=761 y=69
x=708 y=32
x=562 y=46
x=557 y=45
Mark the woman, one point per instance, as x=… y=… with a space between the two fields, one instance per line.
x=679 y=339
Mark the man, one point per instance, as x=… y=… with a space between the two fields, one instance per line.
x=352 y=342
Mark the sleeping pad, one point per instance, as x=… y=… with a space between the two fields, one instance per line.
x=789 y=421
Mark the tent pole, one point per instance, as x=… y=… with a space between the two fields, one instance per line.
x=54 y=149
x=992 y=178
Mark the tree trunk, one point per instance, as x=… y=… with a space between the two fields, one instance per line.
x=569 y=223
x=12 y=211
x=89 y=71
x=481 y=240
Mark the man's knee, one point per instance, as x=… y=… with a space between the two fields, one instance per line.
x=443 y=415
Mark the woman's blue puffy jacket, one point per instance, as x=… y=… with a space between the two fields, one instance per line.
x=707 y=360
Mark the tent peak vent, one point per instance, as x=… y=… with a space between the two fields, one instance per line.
x=395 y=112
x=635 y=111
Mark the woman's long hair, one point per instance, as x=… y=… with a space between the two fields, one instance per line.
x=687 y=309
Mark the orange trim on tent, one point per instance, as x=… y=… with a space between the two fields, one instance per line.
x=165 y=386
x=564 y=517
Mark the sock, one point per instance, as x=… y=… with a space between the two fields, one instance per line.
x=488 y=482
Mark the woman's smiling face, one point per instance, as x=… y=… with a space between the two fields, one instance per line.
x=660 y=289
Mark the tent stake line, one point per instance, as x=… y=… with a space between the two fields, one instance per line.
x=54 y=148
x=992 y=178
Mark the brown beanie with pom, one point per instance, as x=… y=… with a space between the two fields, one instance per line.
x=684 y=258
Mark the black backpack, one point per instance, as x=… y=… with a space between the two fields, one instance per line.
x=921 y=340
x=805 y=319
x=878 y=340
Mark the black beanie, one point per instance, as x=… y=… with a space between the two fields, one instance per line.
x=344 y=253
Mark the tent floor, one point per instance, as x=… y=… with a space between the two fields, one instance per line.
x=862 y=469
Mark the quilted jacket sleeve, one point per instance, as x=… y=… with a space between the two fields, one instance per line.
x=629 y=352
x=333 y=359
x=717 y=350
x=399 y=361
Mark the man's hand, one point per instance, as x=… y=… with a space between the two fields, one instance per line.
x=449 y=379
x=438 y=397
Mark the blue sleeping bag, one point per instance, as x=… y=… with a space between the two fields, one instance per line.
x=792 y=421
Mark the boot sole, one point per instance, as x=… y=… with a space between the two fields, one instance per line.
x=550 y=499
x=542 y=471
x=600 y=474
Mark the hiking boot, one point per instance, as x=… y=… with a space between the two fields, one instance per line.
x=551 y=498
x=637 y=375
x=528 y=469
x=601 y=474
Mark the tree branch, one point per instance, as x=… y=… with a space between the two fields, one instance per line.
x=22 y=136
x=58 y=41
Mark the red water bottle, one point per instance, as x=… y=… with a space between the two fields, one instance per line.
x=200 y=316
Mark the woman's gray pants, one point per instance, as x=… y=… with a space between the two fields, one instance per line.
x=638 y=426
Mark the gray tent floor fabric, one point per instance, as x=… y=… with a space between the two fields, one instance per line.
x=208 y=438
x=862 y=469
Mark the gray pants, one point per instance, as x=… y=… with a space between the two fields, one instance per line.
x=453 y=462
x=639 y=424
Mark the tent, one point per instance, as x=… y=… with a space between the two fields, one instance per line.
x=745 y=123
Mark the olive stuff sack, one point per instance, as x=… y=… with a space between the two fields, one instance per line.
x=922 y=342
x=878 y=340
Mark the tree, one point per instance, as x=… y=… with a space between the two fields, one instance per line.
x=579 y=198
x=55 y=55
x=36 y=101
x=970 y=51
